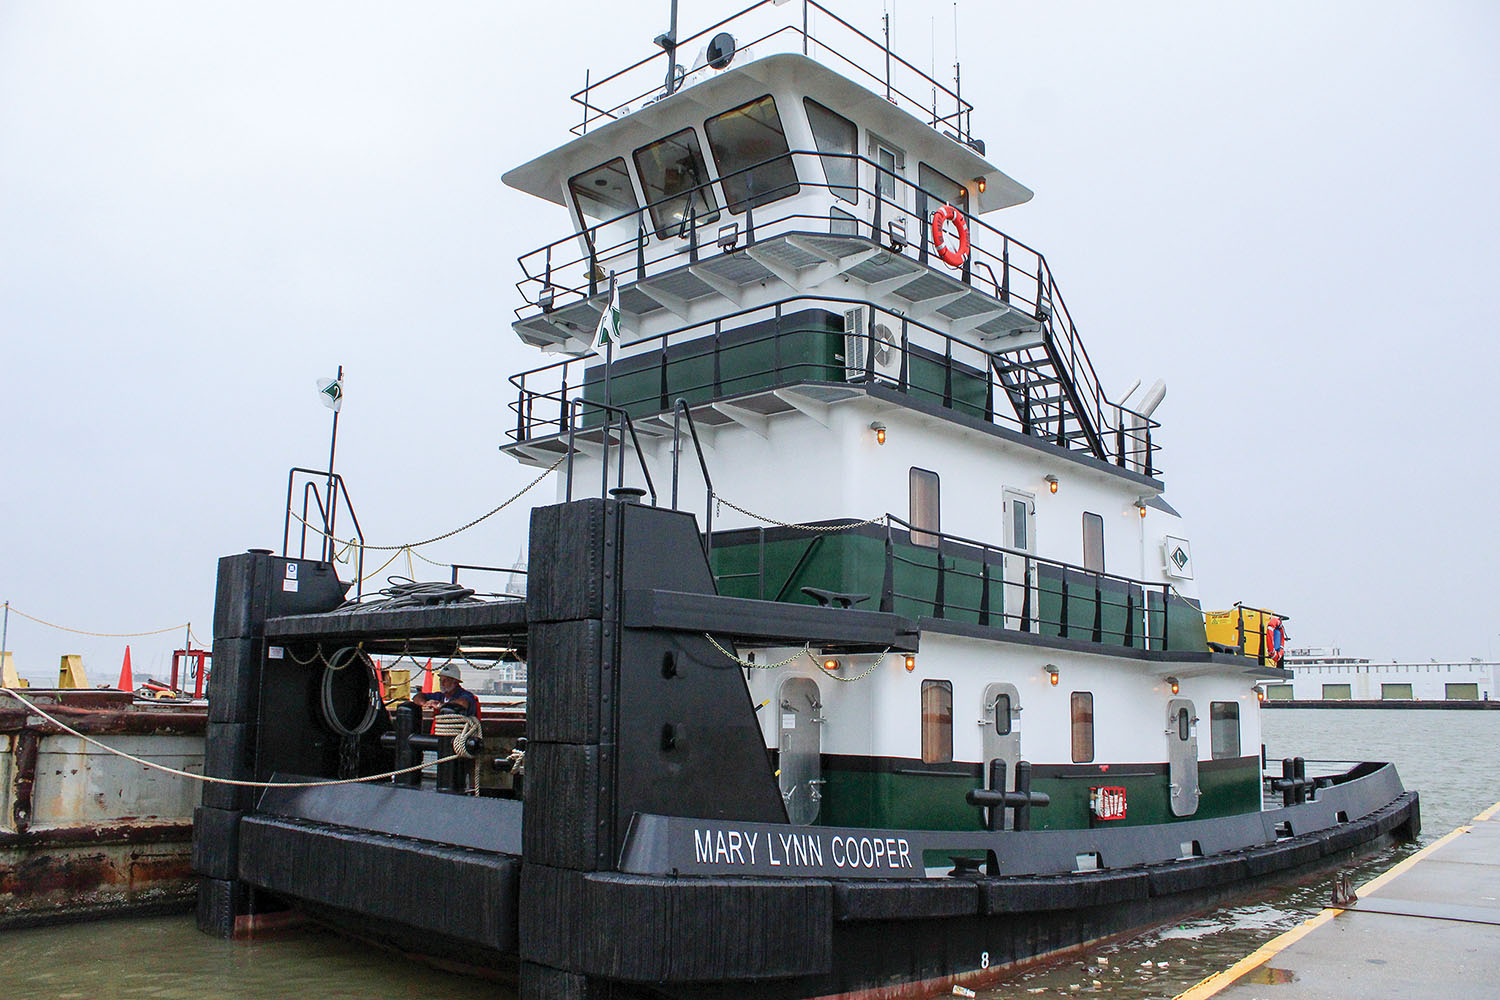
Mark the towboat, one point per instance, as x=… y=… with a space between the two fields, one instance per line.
x=863 y=650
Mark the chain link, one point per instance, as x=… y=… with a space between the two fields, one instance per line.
x=805 y=650
x=801 y=527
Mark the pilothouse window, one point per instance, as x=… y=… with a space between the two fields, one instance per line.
x=939 y=187
x=750 y=150
x=604 y=193
x=837 y=139
x=675 y=181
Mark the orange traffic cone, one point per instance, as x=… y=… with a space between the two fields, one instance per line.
x=127 y=682
x=429 y=685
x=380 y=679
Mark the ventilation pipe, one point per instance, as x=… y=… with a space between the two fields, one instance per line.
x=1136 y=421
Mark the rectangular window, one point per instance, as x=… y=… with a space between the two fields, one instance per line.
x=1224 y=728
x=604 y=193
x=1002 y=715
x=885 y=177
x=938 y=190
x=750 y=150
x=675 y=181
x=1083 y=727
x=837 y=140
x=1461 y=692
x=924 y=507
x=1337 y=692
x=937 y=722
x=1395 y=692
x=1093 y=542
x=1278 y=692
x=1019 y=536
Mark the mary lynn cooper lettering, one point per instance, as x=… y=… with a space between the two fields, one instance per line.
x=816 y=850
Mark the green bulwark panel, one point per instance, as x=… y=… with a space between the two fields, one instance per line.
x=805 y=346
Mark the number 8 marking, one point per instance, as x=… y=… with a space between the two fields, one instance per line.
x=984 y=960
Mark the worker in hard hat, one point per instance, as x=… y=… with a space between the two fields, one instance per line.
x=450 y=696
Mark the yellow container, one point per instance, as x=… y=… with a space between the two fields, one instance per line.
x=1224 y=627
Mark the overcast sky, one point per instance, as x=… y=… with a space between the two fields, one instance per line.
x=1288 y=210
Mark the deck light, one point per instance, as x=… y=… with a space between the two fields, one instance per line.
x=1140 y=508
x=879 y=429
x=1052 y=674
x=911 y=663
x=830 y=665
x=1260 y=694
x=1051 y=483
x=979 y=183
x=728 y=236
x=1174 y=685
x=897 y=229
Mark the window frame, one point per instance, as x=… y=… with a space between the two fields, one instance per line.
x=999 y=715
x=1099 y=520
x=921 y=532
x=844 y=192
x=583 y=217
x=1081 y=726
x=937 y=729
x=1220 y=714
x=743 y=173
x=706 y=191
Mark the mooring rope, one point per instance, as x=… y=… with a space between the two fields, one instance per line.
x=461 y=728
x=101 y=635
x=435 y=538
x=207 y=779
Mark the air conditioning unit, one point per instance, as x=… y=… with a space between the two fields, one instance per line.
x=857 y=345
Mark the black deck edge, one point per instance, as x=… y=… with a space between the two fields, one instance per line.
x=436 y=620
x=767 y=622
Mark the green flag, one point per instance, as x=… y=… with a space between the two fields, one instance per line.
x=608 y=331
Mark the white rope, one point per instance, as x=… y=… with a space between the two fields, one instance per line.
x=461 y=728
x=206 y=778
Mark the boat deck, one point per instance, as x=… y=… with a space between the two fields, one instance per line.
x=1428 y=927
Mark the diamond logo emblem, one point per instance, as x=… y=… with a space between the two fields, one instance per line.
x=1179 y=557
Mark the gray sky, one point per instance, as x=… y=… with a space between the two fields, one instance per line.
x=1288 y=210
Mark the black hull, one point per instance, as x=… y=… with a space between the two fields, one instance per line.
x=634 y=722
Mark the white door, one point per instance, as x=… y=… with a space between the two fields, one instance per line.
x=1018 y=510
x=1182 y=756
x=890 y=183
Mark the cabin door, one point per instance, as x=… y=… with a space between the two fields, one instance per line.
x=893 y=190
x=1001 y=719
x=800 y=748
x=1019 y=514
x=1182 y=756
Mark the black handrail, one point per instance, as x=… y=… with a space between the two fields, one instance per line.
x=680 y=410
x=327 y=549
x=959 y=119
x=626 y=426
x=1130 y=444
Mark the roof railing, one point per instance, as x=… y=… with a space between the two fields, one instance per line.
x=772 y=26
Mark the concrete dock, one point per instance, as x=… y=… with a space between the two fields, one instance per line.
x=1428 y=927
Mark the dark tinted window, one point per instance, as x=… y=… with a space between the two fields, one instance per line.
x=604 y=192
x=837 y=139
x=749 y=147
x=940 y=190
x=1093 y=542
x=924 y=507
x=1002 y=715
x=674 y=179
x=937 y=722
x=1224 y=728
x=1083 y=727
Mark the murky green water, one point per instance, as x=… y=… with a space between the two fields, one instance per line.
x=1447 y=755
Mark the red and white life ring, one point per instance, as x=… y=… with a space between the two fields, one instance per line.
x=952 y=256
x=1275 y=639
